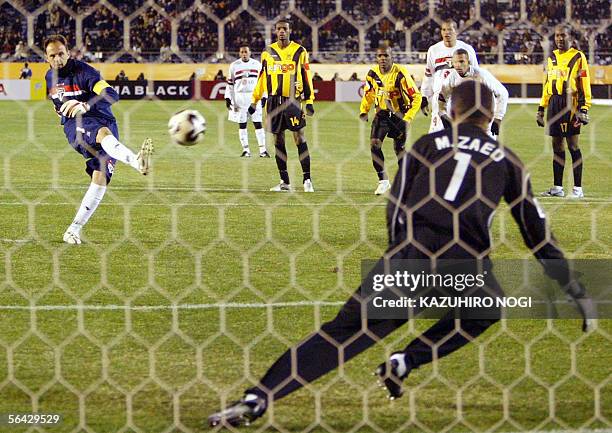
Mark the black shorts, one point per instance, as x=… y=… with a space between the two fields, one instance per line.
x=284 y=113
x=559 y=118
x=386 y=124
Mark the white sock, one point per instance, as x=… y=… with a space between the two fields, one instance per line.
x=90 y=203
x=402 y=369
x=244 y=138
x=261 y=139
x=120 y=152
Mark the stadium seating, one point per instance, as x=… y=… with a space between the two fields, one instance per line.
x=334 y=31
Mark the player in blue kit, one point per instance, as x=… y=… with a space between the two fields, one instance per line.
x=83 y=101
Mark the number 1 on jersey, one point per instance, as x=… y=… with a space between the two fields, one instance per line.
x=463 y=161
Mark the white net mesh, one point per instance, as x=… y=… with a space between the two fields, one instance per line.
x=192 y=281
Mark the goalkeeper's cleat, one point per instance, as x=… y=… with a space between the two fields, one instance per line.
x=72 y=237
x=392 y=373
x=555 y=191
x=242 y=412
x=245 y=154
x=383 y=186
x=308 y=187
x=281 y=187
x=144 y=156
x=264 y=154
x=577 y=192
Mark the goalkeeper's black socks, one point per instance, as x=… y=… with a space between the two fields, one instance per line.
x=304 y=156
x=378 y=161
x=577 y=166
x=558 y=165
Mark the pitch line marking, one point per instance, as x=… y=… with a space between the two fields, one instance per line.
x=173 y=307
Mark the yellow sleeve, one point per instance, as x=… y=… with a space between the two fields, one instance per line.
x=584 y=84
x=368 y=96
x=261 y=87
x=411 y=95
x=306 y=77
x=545 y=93
x=101 y=85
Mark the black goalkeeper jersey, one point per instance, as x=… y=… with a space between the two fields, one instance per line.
x=446 y=192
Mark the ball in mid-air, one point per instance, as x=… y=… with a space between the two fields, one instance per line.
x=187 y=127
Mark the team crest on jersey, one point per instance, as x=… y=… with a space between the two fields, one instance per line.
x=59 y=91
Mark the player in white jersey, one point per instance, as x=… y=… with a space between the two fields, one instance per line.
x=451 y=78
x=241 y=81
x=439 y=58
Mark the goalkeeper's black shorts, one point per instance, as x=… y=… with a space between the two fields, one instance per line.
x=284 y=113
x=387 y=124
x=561 y=122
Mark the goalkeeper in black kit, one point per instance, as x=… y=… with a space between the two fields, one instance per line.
x=473 y=172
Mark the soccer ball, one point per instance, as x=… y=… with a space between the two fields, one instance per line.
x=187 y=127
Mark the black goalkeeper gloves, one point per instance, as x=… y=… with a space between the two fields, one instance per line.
x=425 y=106
x=252 y=109
x=582 y=117
x=495 y=126
x=540 y=117
x=228 y=103
x=310 y=109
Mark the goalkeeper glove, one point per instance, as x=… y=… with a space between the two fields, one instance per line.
x=495 y=126
x=446 y=120
x=363 y=116
x=576 y=291
x=73 y=108
x=252 y=109
x=540 y=117
x=263 y=102
x=582 y=117
x=310 y=109
x=425 y=106
x=228 y=103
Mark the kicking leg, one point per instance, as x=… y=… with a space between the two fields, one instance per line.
x=115 y=149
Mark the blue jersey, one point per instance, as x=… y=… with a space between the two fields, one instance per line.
x=77 y=80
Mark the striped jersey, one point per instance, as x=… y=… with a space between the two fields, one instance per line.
x=78 y=80
x=394 y=91
x=568 y=73
x=285 y=72
x=439 y=58
x=242 y=77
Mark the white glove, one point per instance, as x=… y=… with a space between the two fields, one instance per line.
x=73 y=108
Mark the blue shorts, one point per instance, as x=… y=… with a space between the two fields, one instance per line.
x=82 y=137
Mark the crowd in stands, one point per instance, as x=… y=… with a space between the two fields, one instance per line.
x=407 y=25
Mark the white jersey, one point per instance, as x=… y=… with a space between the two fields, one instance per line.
x=439 y=58
x=242 y=76
x=450 y=78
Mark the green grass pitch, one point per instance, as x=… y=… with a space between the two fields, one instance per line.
x=202 y=229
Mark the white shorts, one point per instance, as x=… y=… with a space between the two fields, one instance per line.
x=239 y=112
x=437 y=125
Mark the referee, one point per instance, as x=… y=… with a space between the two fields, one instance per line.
x=419 y=220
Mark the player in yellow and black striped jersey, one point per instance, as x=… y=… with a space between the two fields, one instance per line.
x=285 y=77
x=566 y=94
x=397 y=99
